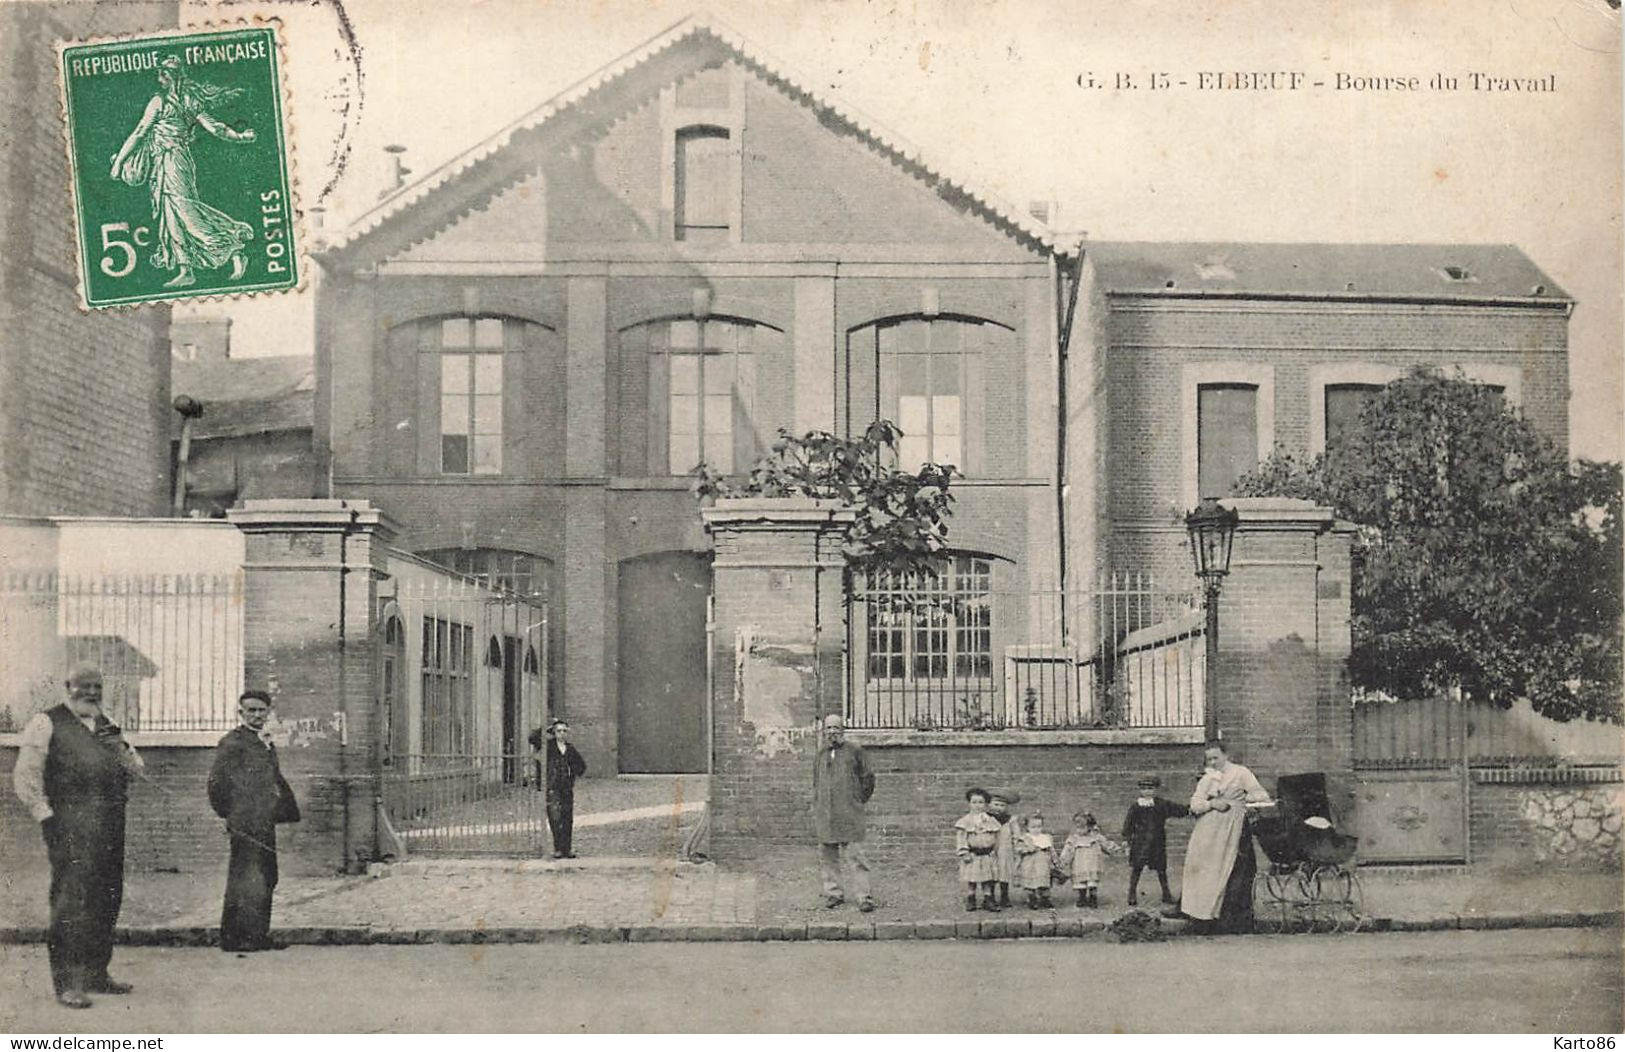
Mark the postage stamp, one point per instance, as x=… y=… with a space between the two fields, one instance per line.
x=179 y=160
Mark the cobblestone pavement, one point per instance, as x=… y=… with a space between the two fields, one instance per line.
x=499 y=897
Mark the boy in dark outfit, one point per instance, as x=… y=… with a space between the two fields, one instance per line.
x=1147 y=839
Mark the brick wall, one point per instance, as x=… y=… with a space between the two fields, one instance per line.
x=85 y=397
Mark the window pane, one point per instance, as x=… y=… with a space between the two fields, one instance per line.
x=1344 y=404
x=453 y=373
x=454 y=414
x=454 y=454
x=913 y=451
x=487 y=454
x=454 y=332
x=488 y=414
x=719 y=453
x=945 y=450
x=702 y=179
x=685 y=333
x=685 y=415
x=488 y=332
x=723 y=335
x=719 y=374
x=945 y=414
x=914 y=416
x=1226 y=436
x=945 y=373
x=685 y=453
x=685 y=374
x=487 y=373
x=719 y=414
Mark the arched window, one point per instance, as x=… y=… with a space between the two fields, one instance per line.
x=926 y=375
x=532 y=666
x=703 y=181
x=493 y=653
x=699 y=388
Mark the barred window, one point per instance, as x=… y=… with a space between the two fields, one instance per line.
x=936 y=626
x=448 y=697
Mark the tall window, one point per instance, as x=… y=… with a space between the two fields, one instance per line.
x=925 y=375
x=448 y=693
x=397 y=733
x=703 y=181
x=1226 y=436
x=703 y=386
x=931 y=627
x=471 y=395
x=1344 y=404
x=495 y=567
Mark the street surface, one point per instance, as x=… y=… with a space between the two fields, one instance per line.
x=1564 y=981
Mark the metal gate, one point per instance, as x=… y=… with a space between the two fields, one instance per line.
x=1410 y=761
x=462 y=805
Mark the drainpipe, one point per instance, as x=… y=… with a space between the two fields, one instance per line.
x=349 y=864
x=1062 y=339
x=190 y=409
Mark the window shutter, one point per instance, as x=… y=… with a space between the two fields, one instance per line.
x=887 y=362
x=428 y=395
x=659 y=409
x=747 y=445
x=861 y=362
x=973 y=398
x=396 y=401
x=633 y=455
x=518 y=457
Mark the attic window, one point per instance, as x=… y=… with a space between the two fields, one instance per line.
x=1457 y=273
x=703 y=183
x=1215 y=270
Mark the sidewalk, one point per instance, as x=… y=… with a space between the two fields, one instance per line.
x=635 y=900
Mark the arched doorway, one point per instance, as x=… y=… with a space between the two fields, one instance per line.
x=661 y=673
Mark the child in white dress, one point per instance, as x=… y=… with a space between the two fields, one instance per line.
x=1035 y=857
x=1083 y=856
x=975 y=836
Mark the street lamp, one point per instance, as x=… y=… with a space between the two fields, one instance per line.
x=1212 y=531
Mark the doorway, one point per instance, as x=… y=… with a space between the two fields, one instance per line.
x=661 y=675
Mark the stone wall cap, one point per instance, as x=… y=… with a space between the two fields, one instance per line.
x=777 y=510
x=1278 y=509
x=314 y=513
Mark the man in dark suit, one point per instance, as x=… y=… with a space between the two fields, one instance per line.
x=247 y=789
x=564 y=765
x=73 y=772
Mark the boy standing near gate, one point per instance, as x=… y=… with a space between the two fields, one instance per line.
x=1147 y=838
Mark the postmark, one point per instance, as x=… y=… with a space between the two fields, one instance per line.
x=181 y=167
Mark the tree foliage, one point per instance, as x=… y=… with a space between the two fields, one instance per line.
x=902 y=518
x=1486 y=562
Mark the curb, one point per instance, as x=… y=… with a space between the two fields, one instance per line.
x=882 y=931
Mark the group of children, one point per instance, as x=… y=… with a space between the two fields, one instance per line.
x=997 y=849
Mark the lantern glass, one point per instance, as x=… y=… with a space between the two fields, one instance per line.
x=1212 y=532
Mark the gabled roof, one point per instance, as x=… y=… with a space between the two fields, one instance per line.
x=1442 y=272
x=247 y=396
x=707 y=38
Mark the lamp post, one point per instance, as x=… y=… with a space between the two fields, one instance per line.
x=1212 y=531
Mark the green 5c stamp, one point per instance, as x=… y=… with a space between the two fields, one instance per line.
x=178 y=155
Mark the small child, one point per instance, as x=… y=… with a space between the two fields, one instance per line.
x=1084 y=857
x=999 y=802
x=1147 y=838
x=1035 y=855
x=975 y=836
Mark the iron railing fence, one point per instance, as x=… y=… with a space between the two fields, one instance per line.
x=169 y=646
x=466 y=804
x=462 y=668
x=950 y=652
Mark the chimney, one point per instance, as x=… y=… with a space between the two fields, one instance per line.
x=397 y=170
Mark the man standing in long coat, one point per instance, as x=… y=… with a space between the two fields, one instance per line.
x=247 y=789
x=842 y=785
x=73 y=772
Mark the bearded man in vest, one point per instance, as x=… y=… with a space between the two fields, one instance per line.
x=73 y=773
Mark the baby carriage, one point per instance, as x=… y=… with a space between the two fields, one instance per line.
x=1311 y=880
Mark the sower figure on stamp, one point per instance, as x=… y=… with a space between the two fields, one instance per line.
x=247 y=789
x=564 y=766
x=842 y=786
x=73 y=772
x=158 y=152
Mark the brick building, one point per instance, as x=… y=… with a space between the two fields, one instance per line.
x=84 y=398
x=522 y=357
x=1188 y=362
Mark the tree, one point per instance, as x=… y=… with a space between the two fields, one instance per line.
x=902 y=518
x=1486 y=563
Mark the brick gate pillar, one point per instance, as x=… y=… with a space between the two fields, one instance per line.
x=311 y=570
x=779 y=635
x=1282 y=680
